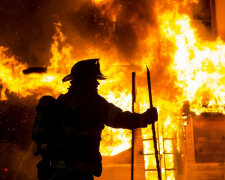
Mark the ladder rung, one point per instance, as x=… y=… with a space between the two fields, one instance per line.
x=169 y=139
x=150 y=169
x=150 y=139
x=172 y=139
x=160 y=154
x=149 y=154
x=165 y=169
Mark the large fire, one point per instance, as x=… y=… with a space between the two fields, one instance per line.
x=193 y=71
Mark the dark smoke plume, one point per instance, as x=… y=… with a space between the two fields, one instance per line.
x=27 y=27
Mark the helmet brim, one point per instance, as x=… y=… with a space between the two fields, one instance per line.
x=69 y=77
x=101 y=77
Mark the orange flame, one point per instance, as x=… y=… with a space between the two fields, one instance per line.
x=194 y=66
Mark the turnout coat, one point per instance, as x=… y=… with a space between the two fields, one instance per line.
x=71 y=127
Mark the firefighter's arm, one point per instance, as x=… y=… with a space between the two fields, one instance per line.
x=118 y=119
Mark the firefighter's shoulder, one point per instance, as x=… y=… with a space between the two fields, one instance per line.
x=46 y=101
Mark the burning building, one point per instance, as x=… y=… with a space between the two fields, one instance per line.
x=182 y=41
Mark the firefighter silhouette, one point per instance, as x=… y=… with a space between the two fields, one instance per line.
x=67 y=130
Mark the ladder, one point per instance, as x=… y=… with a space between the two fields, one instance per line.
x=167 y=155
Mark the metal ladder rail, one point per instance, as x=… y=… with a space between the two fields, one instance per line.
x=166 y=153
x=153 y=154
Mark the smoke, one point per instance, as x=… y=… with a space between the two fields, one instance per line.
x=17 y=163
x=119 y=24
x=27 y=26
x=16 y=149
x=23 y=29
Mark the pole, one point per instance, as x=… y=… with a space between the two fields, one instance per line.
x=153 y=126
x=132 y=140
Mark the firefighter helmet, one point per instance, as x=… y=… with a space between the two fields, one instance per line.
x=85 y=68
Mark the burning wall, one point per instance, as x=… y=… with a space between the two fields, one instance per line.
x=186 y=63
x=219 y=6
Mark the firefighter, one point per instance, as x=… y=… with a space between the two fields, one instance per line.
x=71 y=125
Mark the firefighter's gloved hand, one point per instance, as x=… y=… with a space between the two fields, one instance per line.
x=151 y=115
